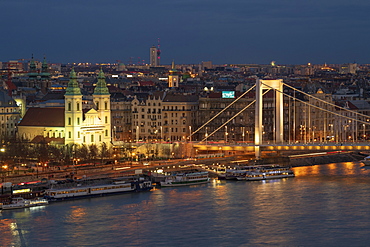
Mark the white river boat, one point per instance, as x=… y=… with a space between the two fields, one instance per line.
x=267 y=172
x=185 y=179
x=81 y=191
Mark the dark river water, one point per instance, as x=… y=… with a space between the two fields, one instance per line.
x=325 y=205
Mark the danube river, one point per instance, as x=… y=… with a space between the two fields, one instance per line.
x=325 y=205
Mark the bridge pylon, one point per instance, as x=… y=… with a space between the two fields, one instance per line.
x=277 y=85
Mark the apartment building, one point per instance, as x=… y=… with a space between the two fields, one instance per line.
x=9 y=116
x=179 y=116
x=147 y=118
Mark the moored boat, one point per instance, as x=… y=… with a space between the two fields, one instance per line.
x=267 y=172
x=237 y=172
x=77 y=191
x=184 y=179
x=16 y=203
x=20 y=202
x=38 y=202
x=366 y=161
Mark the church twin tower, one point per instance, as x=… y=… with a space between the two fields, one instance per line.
x=94 y=126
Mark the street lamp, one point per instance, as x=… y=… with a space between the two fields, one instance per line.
x=75 y=163
x=132 y=157
x=137 y=134
x=364 y=135
x=161 y=134
x=206 y=135
x=5 y=167
x=189 y=133
x=331 y=130
x=243 y=133
x=114 y=133
x=226 y=134
x=2 y=151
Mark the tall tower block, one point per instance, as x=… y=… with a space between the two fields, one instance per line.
x=153 y=56
x=101 y=99
x=73 y=111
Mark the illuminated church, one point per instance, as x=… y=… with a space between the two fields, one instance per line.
x=73 y=124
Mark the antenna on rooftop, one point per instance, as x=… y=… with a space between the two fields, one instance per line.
x=158 y=52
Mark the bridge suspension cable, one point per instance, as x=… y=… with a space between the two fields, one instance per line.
x=328 y=103
x=232 y=118
x=334 y=113
x=191 y=134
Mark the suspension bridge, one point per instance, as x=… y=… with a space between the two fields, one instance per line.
x=310 y=122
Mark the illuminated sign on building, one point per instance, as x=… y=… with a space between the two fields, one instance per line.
x=228 y=94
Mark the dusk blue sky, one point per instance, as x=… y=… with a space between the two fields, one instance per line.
x=190 y=31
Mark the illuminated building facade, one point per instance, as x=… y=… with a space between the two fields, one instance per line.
x=9 y=115
x=71 y=124
x=173 y=77
x=147 y=119
x=179 y=113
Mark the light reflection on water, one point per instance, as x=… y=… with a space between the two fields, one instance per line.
x=326 y=205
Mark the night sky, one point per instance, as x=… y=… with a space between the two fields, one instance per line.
x=190 y=31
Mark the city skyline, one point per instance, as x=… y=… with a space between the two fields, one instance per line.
x=240 y=32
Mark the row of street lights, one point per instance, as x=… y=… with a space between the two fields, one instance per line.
x=226 y=134
x=190 y=136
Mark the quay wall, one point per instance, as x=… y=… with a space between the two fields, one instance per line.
x=326 y=159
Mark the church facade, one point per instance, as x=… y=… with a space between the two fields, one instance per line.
x=73 y=124
x=39 y=79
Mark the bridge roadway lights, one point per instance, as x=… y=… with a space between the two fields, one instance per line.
x=220 y=148
x=344 y=147
x=251 y=148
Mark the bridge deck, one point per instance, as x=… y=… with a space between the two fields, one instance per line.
x=285 y=147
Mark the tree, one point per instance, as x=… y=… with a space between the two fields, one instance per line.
x=82 y=152
x=56 y=153
x=93 y=152
x=43 y=151
x=104 y=152
x=15 y=149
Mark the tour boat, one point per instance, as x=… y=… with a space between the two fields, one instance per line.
x=267 y=172
x=112 y=187
x=366 y=161
x=16 y=203
x=38 y=202
x=220 y=172
x=20 y=202
x=236 y=172
x=183 y=179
